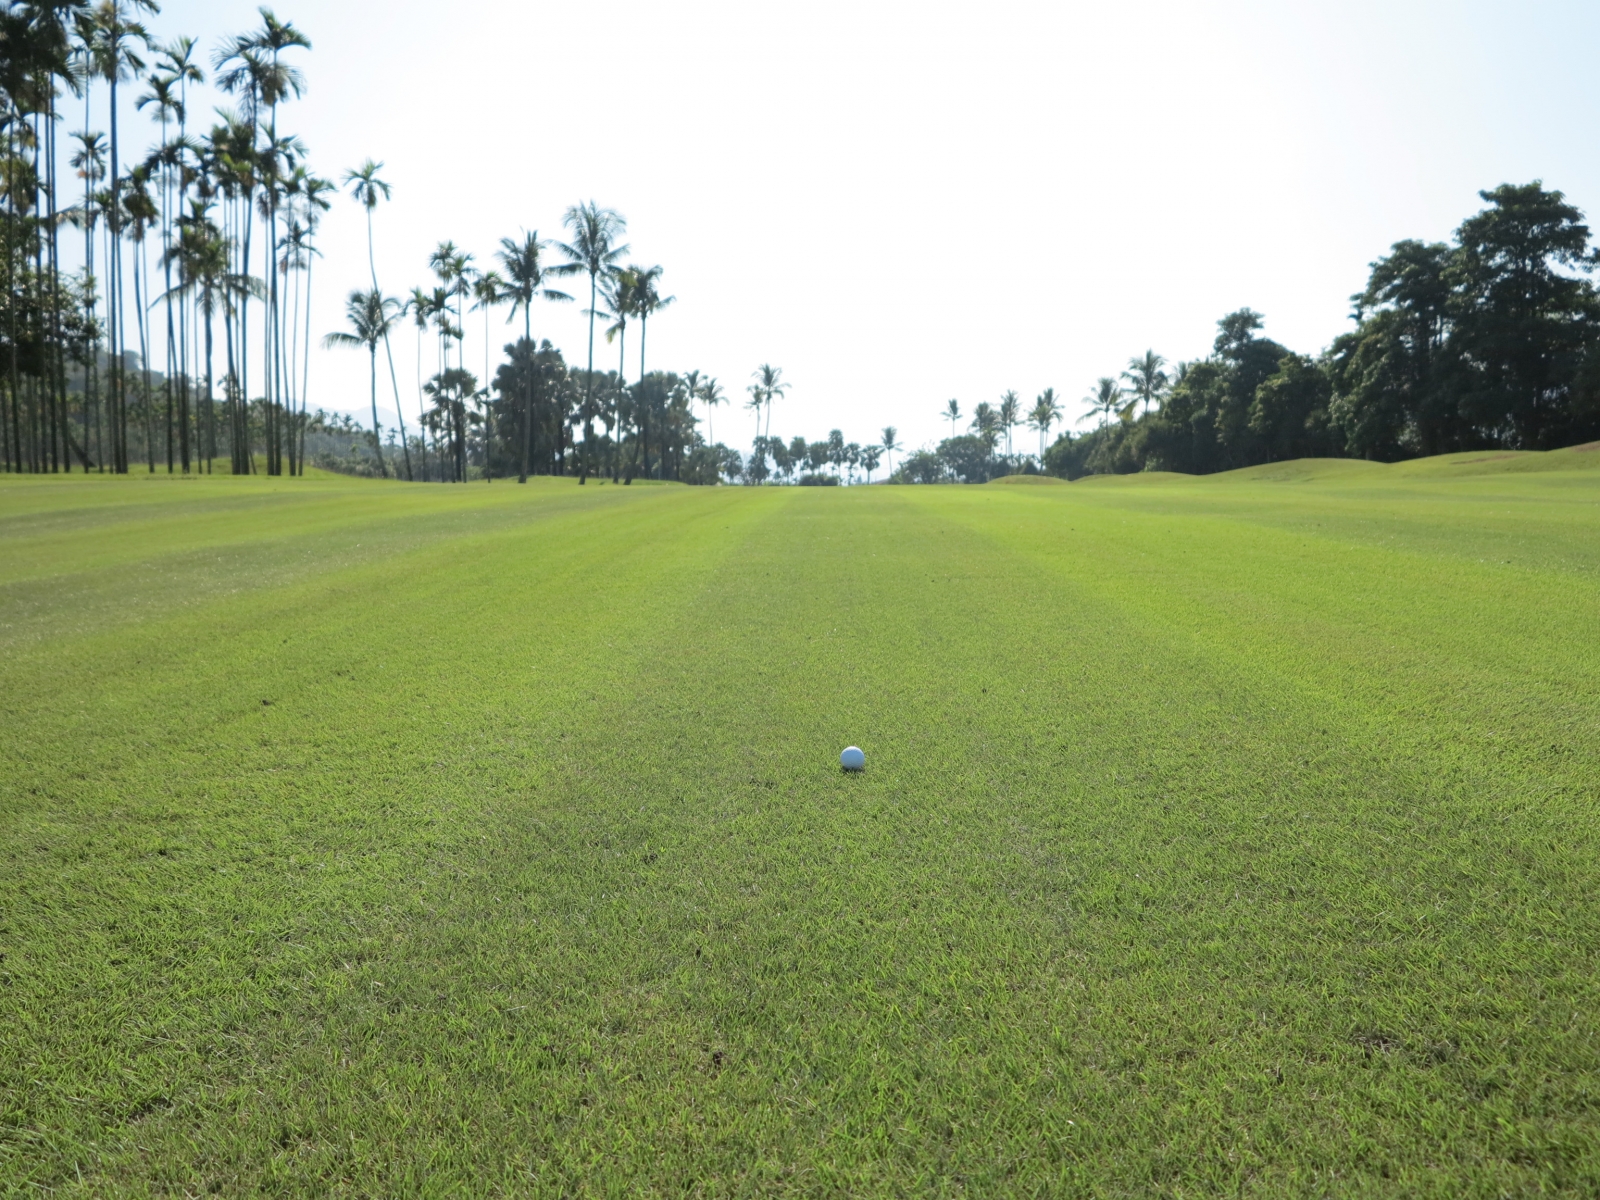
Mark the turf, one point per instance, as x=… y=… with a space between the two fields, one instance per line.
x=1225 y=836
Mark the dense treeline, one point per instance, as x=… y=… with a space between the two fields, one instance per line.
x=182 y=334
x=1489 y=342
x=196 y=253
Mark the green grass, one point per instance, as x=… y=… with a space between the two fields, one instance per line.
x=1224 y=836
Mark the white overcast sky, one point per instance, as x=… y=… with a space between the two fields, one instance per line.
x=899 y=203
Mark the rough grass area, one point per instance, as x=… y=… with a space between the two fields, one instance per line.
x=1227 y=836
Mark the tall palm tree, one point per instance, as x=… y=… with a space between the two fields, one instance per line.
x=1009 y=415
x=952 y=410
x=89 y=162
x=525 y=281
x=1046 y=412
x=1147 y=380
x=986 y=424
x=116 y=59
x=177 y=61
x=141 y=213
x=371 y=314
x=367 y=189
x=619 y=293
x=770 y=380
x=488 y=291
x=1104 y=399
x=163 y=95
x=890 y=444
x=689 y=383
x=271 y=81
x=421 y=307
x=757 y=399
x=315 y=201
x=711 y=395
x=647 y=301
x=592 y=250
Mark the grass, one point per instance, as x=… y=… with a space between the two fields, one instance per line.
x=1225 y=836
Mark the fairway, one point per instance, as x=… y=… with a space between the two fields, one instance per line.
x=1232 y=835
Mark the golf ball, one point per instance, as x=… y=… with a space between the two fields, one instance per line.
x=852 y=759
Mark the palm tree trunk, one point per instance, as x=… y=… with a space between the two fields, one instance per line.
x=588 y=389
x=377 y=437
x=527 y=395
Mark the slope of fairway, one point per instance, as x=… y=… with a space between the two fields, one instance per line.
x=1218 y=837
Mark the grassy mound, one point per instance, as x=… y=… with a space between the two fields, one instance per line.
x=1216 y=838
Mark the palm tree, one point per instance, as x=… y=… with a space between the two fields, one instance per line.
x=368 y=189
x=711 y=395
x=769 y=379
x=1104 y=399
x=619 y=292
x=1046 y=412
x=986 y=424
x=593 y=250
x=88 y=161
x=273 y=81
x=647 y=301
x=1148 y=381
x=164 y=95
x=952 y=410
x=202 y=255
x=1009 y=416
x=453 y=269
x=422 y=309
x=757 y=399
x=890 y=444
x=525 y=280
x=488 y=291
x=314 y=202
x=371 y=314
x=177 y=61
x=114 y=59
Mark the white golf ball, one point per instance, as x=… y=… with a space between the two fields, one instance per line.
x=852 y=759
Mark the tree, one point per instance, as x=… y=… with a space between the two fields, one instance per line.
x=593 y=250
x=1045 y=413
x=1146 y=379
x=114 y=58
x=202 y=257
x=1523 y=316
x=525 y=281
x=836 y=449
x=711 y=395
x=952 y=410
x=890 y=444
x=769 y=383
x=451 y=390
x=647 y=301
x=1009 y=416
x=1104 y=399
x=371 y=314
x=757 y=398
x=986 y=424
x=488 y=291
x=869 y=459
x=368 y=189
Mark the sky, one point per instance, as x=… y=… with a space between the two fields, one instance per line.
x=903 y=203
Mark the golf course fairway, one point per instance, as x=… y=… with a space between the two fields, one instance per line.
x=1235 y=835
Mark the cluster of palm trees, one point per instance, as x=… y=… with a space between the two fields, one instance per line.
x=452 y=399
x=229 y=216
x=806 y=461
x=991 y=422
x=1142 y=386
